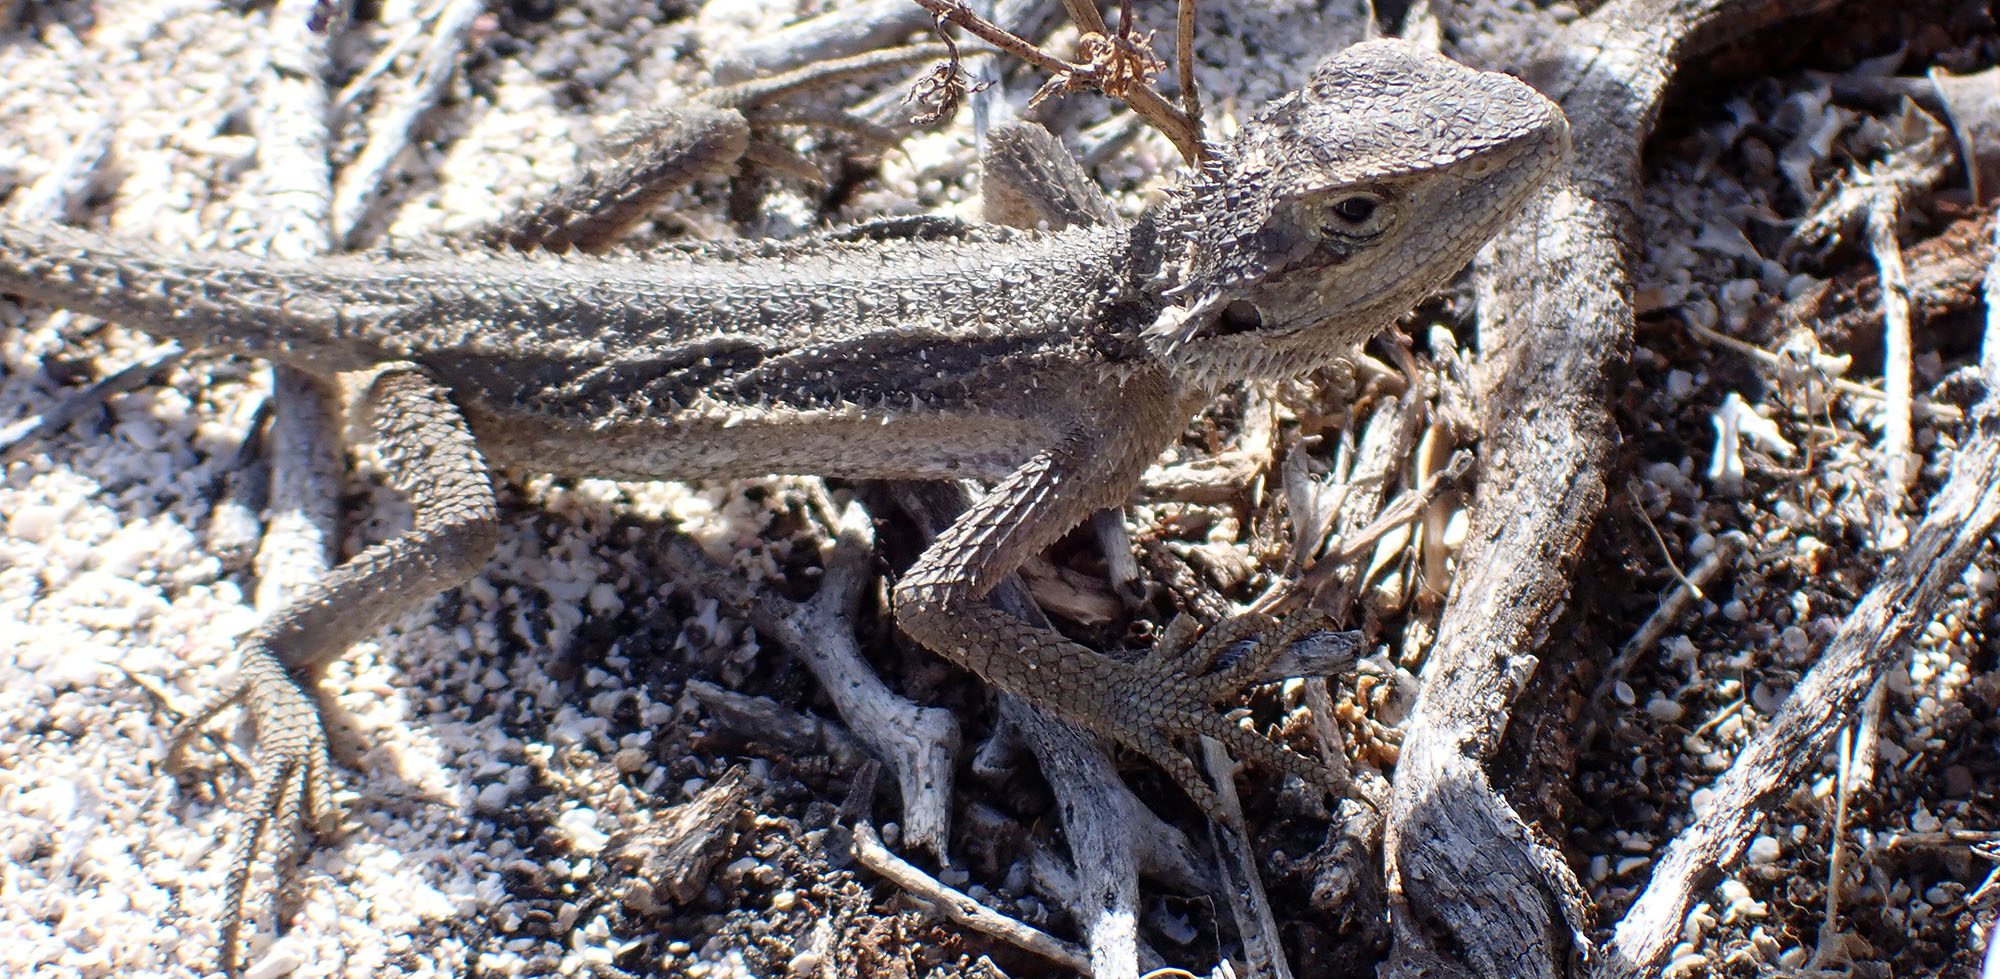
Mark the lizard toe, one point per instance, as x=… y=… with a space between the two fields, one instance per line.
x=1256 y=747
x=195 y=725
x=1164 y=702
x=1160 y=748
x=291 y=788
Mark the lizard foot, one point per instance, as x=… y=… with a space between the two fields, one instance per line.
x=292 y=782
x=1174 y=689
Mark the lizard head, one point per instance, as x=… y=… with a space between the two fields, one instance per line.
x=1338 y=207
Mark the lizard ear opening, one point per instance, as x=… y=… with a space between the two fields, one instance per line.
x=1241 y=316
x=1235 y=318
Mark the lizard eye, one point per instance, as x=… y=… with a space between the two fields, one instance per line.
x=1356 y=215
x=1354 y=210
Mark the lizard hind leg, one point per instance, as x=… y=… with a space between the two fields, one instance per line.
x=431 y=461
x=1029 y=179
x=665 y=149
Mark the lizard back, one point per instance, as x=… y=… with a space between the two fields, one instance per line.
x=650 y=364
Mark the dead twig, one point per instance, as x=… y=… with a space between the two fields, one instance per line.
x=1687 y=590
x=1184 y=59
x=364 y=181
x=38 y=428
x=1856 y=762
x=1118 y=66
x=844 y=30
x=1243 y=885
x=1773 y=361
x=1084 y=13
x=960 y=906
x=918 y=743
x=1899 y=463
x=1222 y=477
x=1403 y=510
x=942 y=88
x=1944 y=273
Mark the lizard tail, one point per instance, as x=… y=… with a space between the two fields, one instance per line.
x=210 y=299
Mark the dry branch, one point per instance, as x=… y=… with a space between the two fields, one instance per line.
x=919 y=744
x=19 y=437
x=1474 y=892
x=1944 y=273
x=390 y=132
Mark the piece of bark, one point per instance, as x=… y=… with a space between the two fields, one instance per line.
x=673 y=856
x=771 y=726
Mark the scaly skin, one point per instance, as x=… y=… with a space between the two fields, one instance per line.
x=1059 y=364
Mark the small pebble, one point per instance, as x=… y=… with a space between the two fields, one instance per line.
x=1794 y=639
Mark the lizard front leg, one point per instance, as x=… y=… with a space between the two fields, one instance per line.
x=432 y=462
x=1144 y=705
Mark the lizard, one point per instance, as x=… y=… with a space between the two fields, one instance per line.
x=1057 y=365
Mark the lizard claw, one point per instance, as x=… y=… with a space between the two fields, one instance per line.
x=292 y=781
